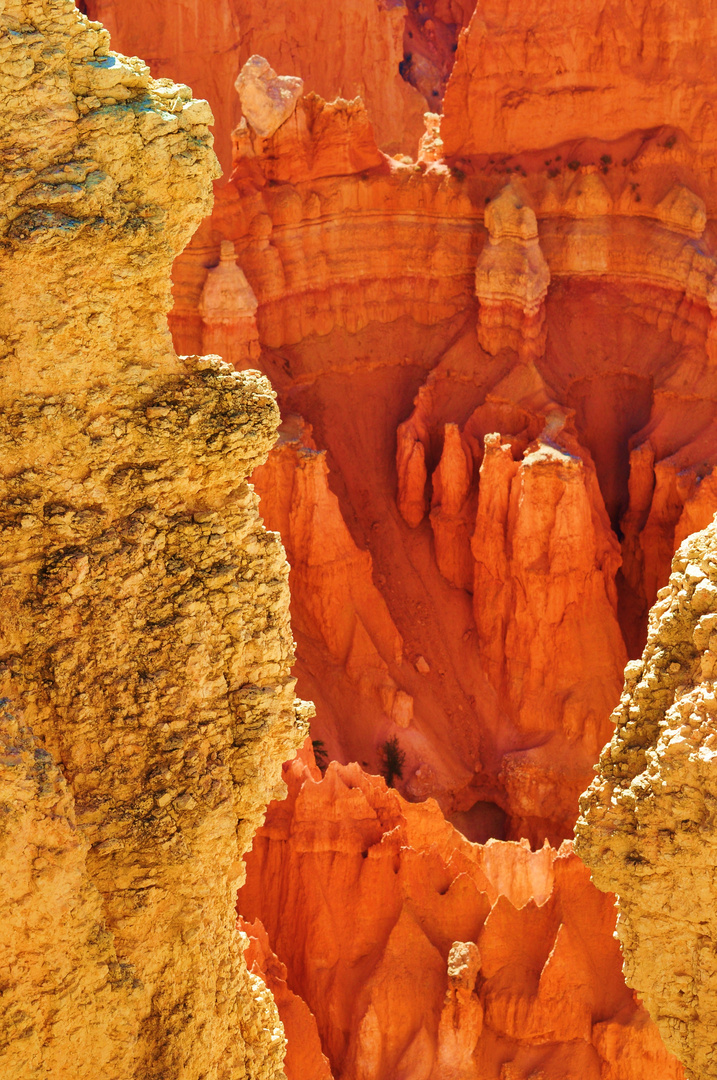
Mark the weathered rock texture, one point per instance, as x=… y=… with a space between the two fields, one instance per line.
x=145 y=646
x=421 y=955
x=593 y=68
x=647 y=821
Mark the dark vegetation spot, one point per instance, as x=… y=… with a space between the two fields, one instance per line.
x=574 y=165
x=606 y=159
x=320 y=754
x=458 y=173
x=669 y=143
x=393 y=759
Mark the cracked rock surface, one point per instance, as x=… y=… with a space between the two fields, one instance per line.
x=145 y=647
x=648 y=821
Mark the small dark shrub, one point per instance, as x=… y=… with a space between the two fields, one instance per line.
x=606 y=159
x=320 y=754
x=393 y=759
x=574 y=165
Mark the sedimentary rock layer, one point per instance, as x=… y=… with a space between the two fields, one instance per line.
x=647 y=821
x=495 y=364
x=145 y=646
x=422 y=955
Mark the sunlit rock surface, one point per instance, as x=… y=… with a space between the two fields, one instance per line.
x=145 y=647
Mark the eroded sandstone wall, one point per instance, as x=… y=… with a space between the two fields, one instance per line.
x=504 y=373
x=395 y=55
x=646 y=827
x=145 y=647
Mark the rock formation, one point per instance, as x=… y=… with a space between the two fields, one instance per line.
x=477 y=292
x=647 y=820
x=422 y=955
x=495 y=366
x=396 y=55
x=145 y=647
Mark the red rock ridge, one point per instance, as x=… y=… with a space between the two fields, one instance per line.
x=424 y=956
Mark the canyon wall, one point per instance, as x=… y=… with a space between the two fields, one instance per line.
x=145 y=648
x=497 y=392
x=647 y=826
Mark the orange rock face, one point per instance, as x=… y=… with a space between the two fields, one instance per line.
x=506 y=439
x=422 y=955
x=304 y=1057
x=572 y=69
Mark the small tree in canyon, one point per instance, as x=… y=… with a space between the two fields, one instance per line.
x=393 y=760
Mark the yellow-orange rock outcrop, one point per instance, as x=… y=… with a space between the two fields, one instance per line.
x=647 y=823
x=145 y=647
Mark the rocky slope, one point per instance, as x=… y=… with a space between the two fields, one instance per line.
x=646 y=828
x=145 y=647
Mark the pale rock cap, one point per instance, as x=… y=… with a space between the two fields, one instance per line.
x=508 y=217
x=511 y=268
x=588 y=197
x=267 y=99
x=227 y=295
x=464 y=963
x=682 y=211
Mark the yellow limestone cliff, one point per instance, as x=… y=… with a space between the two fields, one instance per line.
x=145 y=647
x=648 y=821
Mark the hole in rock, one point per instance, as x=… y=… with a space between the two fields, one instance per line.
x=484 y=821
